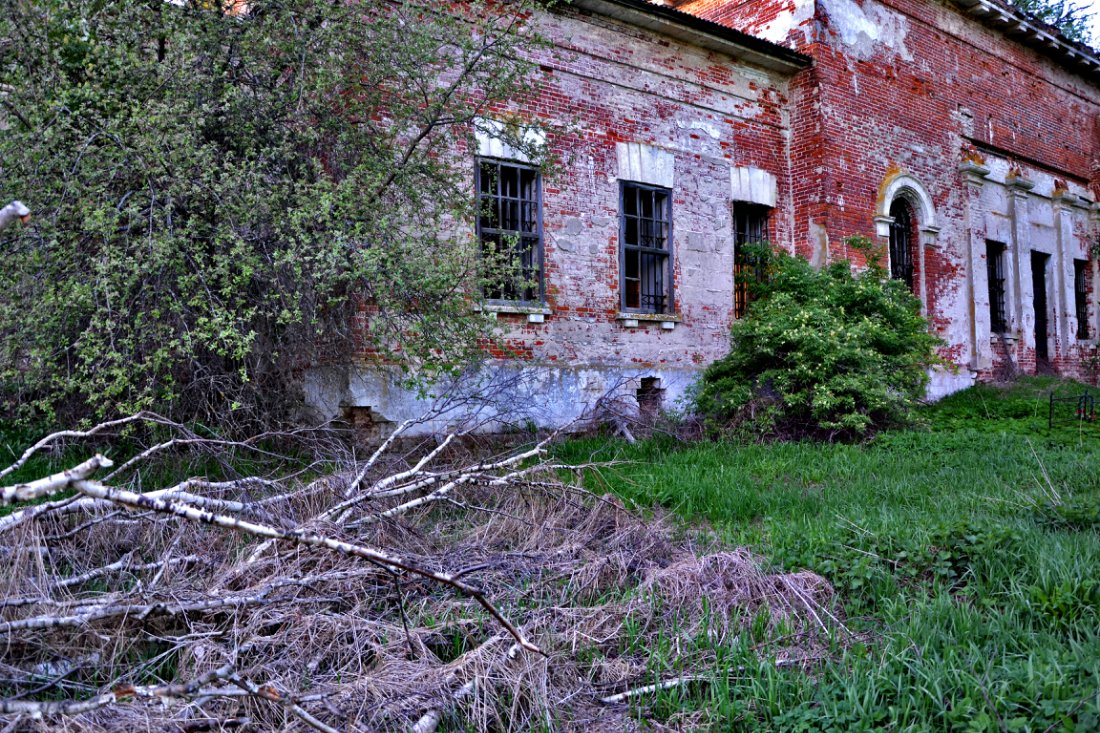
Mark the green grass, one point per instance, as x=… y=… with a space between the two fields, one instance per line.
x=968 y=553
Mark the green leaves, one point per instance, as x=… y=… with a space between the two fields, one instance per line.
x=219 y=199
x=1068 y=16
x=821 y=353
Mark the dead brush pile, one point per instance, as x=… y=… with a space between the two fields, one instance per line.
x=419 y=592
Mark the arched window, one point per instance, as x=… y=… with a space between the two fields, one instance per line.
x=901 y=241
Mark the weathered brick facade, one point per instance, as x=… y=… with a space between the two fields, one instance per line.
x=996 y=128
x=853 y=106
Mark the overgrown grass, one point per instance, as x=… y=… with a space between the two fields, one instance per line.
x=967 y=553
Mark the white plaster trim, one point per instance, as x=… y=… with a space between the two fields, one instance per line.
x=1019 y=182
x=916 y=194
x=649 y=317
x=930 y=236
x=974 y=171
x=645 y=164
x=753 y=185
x=492 y=140
x=513 y=308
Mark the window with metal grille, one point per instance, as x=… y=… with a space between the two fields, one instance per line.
x=1081 y=297
x=646 y=236
x=510 y=231
x=901 y=242
x=750 y=227
x=994 y=262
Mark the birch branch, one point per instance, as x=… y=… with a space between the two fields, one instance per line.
x=87 y=614
x=145 y=501
x=442 y=492
x=125 y=564
x=378 y=453
x=53 y=484
x=63 y=434
x=268 y=692
x=40 y=709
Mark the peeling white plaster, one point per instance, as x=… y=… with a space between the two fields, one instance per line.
x=868 y=28
x=702 y=125
x=779 y=30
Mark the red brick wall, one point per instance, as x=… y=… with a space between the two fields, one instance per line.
x=609 y=83
x=913 y=86
x=744 y=15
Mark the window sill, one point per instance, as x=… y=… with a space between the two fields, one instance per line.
x=1005 y=338
x=668 y=321
x=534 y=313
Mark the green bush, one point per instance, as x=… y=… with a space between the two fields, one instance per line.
x=821 y=353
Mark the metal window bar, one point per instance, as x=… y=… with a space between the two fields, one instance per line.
x=510 y=230
x=750 y=227
x=646 y=245
x=1080 y=297
x=901 y=243
x=994 y=262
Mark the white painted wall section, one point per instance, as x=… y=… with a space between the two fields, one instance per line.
x=645 y=164
x=753 y=185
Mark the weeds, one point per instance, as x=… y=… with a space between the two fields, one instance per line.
x=965 y=556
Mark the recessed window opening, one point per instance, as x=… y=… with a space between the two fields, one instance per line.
x=901 y=241
x=510 y=231
x=650 y=396
x=1080 y=297
x=750 y=227
x=994 y=261
x=1039 y=263
x=646 y=235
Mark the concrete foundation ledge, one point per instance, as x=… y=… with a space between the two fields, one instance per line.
x=495 y=397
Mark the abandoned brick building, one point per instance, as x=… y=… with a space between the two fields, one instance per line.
x=962 y=134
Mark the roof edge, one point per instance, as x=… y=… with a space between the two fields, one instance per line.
x=1032 y=32
x=700 y=32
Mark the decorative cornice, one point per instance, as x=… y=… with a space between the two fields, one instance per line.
x=701 y=32
x=973 y=170
x=1018 y=182
x=1029 y=31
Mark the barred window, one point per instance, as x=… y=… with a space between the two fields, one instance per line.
x=1081 y=297
x=646 y=236
x=994 y=262
x=510 y=231
x=750 y=227
x=901 y=242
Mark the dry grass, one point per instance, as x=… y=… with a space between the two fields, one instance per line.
x=300 y=638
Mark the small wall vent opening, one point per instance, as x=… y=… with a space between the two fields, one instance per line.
x=358 y=418
x=650 y=397
x=367 y=426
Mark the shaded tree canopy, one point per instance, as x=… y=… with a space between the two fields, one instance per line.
x=1070 y=17
x=224 y=197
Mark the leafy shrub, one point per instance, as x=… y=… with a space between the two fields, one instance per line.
x=823 y=353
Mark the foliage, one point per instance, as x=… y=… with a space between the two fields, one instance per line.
x=824 y=353
x=971 y=593
x=221 y=199
x=1070 y=17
